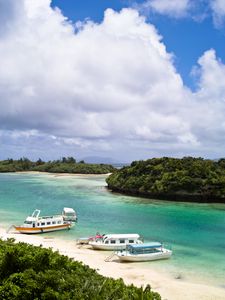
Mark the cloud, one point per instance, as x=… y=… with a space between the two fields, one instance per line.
x=10 y=13
x=108 y=89
x=209 y=103
x=175 y=8
x=218 y=9
x=196 y=10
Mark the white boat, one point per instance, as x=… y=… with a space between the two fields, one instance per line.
x=36 y=224
x=115 y=241
x=144 y=252
x=69 y=214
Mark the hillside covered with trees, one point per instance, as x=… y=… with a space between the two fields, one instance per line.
x=28 y=272
x=186 y=179
x=64 y=165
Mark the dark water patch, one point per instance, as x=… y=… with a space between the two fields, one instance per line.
x=188 y=253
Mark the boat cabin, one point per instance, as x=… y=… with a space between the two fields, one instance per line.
x=35 y=221
x=144 y=252
x=120 y=239
x=69 y=214
x=144 y=248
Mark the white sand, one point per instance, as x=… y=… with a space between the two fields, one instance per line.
x=62 y=174
x=168 y=287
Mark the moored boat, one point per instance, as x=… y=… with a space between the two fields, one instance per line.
x=144 y=252
x=36 y=224
x=69 y=214
x=115 y=241
x=87 y=240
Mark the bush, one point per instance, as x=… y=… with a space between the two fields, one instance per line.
x=187 y=179
x=28 y=272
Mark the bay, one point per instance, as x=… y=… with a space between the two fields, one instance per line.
x=195 y=232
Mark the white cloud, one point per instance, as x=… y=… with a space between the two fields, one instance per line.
x=211 y=83
x=10 y=12
x=106 y=89
x=218 y=8
x=172 y=8
x=196 y=10
x=210 y=98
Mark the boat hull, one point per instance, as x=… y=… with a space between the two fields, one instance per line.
x=144 y=257
x=35 y=230
x=106 y=247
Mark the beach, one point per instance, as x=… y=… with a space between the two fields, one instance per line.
x=168 y=287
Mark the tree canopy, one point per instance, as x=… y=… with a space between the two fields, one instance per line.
x=28 y=272
x=186 y=179
x=64 y=165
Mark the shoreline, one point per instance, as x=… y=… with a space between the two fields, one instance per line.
x=183 y=198
x=168 y=287
x=59 y=174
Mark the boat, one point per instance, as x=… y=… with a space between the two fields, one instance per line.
x=115 y=241
x=36 y=224
x=86 y=240
x=69 y=214
x=144 y=252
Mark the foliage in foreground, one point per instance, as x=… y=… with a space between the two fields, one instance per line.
x=28 y=272
x=64 y=165
x=186 y=179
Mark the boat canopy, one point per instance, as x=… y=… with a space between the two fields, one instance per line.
x=122 y=236
x=144 y=246
x=68 y=210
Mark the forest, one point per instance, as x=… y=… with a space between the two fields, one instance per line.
x=64 y=165
x=28 y=272
x=186 y=179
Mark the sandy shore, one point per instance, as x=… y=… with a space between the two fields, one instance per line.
x=168 y=287
x=62 y=174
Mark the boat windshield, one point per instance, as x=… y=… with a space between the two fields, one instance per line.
x=27 y=222
x=36 y=213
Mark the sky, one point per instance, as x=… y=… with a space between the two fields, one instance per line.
x=121 y=80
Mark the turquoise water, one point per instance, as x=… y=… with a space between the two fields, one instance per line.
x=195 y=232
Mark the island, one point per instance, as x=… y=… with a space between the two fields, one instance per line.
x=186 y=179
x=63 y=165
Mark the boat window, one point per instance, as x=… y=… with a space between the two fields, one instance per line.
x=59 y=222
x=53 y=222
x=38 y=224
x=122 y=241
x=131 y=241
x=48 y=223
x=113 y=241
x=106 y=242
x=42 y=224
x=27 y=222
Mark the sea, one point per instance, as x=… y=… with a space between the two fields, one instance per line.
x=194 y=232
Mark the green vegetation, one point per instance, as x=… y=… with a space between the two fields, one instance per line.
x=28 y=272
x=186 y=179
x=64 y=165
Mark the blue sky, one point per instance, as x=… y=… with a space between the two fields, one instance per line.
x=185 y=37
x=125 y=80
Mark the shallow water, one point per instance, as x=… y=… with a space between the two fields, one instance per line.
x=195 y=232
